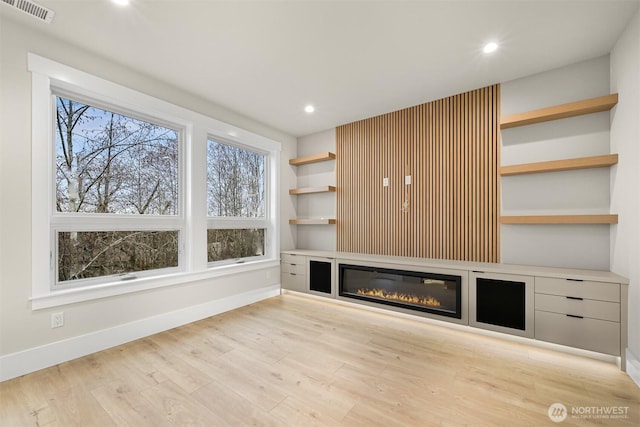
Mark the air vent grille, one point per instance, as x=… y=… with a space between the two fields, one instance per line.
x=33 y=9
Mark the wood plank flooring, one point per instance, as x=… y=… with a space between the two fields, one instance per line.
x=297 y=361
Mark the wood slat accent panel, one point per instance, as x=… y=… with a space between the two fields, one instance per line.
x=450 y=147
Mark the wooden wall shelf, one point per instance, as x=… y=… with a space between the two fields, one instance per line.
x=572 y=109
x=309 y=190
x=322 y=221
x=314 y=158
x=560 y=219
x=560 y=165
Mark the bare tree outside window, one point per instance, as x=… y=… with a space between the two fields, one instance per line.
x=235 y=190
x=225 y=244
x=104 y=253
x=109 y=163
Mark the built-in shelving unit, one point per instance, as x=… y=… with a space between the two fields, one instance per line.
x=559 y=219
x=314 y=158
x=312 y=221
x=560 y=165
x=579 y=308
x=306 y=160
x=572 y=109
x=310 y=190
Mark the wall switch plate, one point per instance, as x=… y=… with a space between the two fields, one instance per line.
x=57 y=320
x=407 y=180
x=385 y=182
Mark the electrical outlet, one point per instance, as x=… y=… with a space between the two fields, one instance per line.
x=57 y=320
x=407 y=180
x=385 y=182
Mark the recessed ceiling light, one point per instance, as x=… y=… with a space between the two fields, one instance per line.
x=121 y=2
x=490 y=47
x=309 y=108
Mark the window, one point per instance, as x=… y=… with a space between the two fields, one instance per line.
x=236 y=225
x=109 y=168
x=131 y=193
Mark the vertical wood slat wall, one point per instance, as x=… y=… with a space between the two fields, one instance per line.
x=450 y=147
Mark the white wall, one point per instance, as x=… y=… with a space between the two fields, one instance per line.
x=316 y=205
x=625 y=177
x=574 y=192
x=20 y=327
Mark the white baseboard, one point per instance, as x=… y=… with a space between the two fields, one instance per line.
x=633 y=367
x=31 y=360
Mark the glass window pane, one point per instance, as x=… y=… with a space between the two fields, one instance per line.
x=89 y=254
x=110 y=163
x=235 y=181
x=225 y=244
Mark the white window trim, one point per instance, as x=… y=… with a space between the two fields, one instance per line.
x=48 y=74
x=80 y=222
x=222 y=223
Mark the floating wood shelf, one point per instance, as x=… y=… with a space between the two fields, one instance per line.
x=572 y=109
x=560 y=165
x=322 y=221
x=314 y=158
x=309 y=190
x=560 y=219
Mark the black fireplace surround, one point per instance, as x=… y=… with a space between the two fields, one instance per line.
x=414 y=290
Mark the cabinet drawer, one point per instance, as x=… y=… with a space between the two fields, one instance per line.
x=601 y=291
x=293 y=282
x=602 y=310
x=589 y=334
x=293 y=259
x=299 y=269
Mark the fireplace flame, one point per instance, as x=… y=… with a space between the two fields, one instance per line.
x=395 y=296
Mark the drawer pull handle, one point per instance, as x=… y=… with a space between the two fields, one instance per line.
x=293 y=274
x=574 y=316
x=576 y=298
x=575 y=280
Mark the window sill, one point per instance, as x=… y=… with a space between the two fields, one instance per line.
x=105 y=290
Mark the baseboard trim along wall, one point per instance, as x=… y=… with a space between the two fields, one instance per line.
x=31 y=360
x=633 y=367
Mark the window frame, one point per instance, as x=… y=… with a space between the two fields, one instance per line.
x=86 y=222
x=50 y=78
x=244 y=223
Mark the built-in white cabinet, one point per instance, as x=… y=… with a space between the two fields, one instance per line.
x=576 y=308
x=308 y=274
x=502 y=303
x=321 y=272
x=293 y=272
x=579 y=313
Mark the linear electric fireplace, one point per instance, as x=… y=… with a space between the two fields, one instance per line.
x=415 y=290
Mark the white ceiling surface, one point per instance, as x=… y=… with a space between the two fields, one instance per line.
x=351 y=59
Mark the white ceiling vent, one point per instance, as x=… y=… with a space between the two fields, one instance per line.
x=33 y=9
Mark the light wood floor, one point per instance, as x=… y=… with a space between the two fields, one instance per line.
x=296 y=361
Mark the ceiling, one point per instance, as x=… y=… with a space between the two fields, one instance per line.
x=350 y=59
